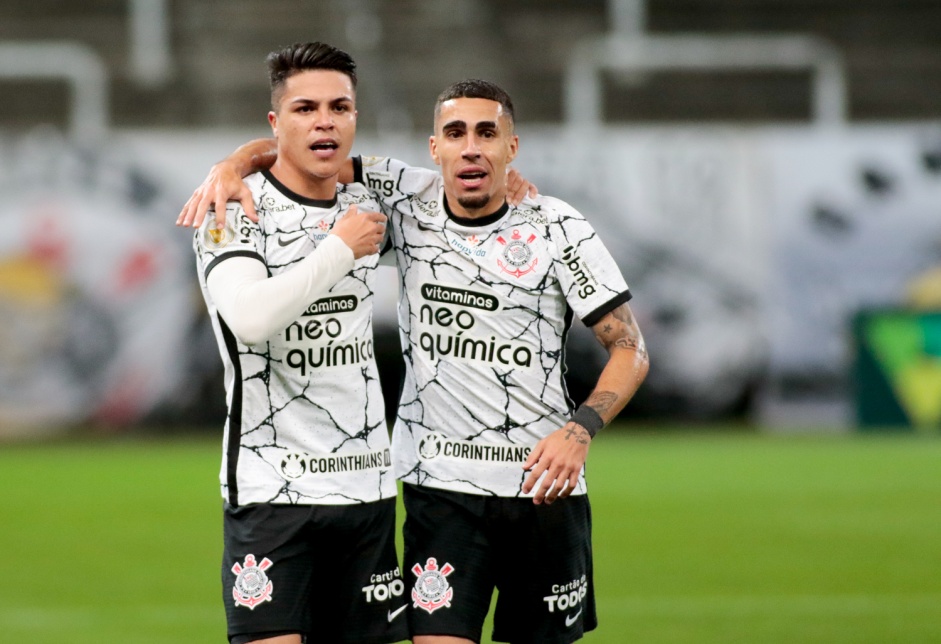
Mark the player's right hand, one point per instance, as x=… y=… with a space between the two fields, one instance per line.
x=222 y=185
x=363 y=231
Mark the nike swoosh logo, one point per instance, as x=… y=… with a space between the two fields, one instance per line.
x=282 y=242
x=395 y=613
x=570 y=619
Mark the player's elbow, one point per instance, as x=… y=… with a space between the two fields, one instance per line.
x=250 y=332
x=641 y=366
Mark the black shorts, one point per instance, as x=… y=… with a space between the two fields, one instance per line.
x=329 y=572
x=458 y=547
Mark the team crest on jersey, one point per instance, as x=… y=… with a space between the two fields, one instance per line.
x=517 y=254
x=252 y=586
x=432 y=590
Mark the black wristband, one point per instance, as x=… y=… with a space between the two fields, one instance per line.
x=588 y=418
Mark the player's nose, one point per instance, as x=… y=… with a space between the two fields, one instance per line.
x=471 y=148
x=324 y=119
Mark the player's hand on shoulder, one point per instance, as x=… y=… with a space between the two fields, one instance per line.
x=560 y=455
x=362 y=231
x=223 y=184
x=518 y=187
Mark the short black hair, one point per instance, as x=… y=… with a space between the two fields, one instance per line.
x=286 y=62
x=476 y=88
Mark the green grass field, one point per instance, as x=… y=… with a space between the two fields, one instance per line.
x=699 y=538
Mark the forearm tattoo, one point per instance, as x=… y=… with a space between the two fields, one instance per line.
x=620 y=331
x=602 y=401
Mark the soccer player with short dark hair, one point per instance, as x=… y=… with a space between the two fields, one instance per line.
x=309 y=514
x=487 y=443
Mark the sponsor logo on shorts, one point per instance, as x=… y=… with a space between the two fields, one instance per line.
x=433 y=445
x=571 y=619
x=385 y=586
x=432 y=590
x=252 y=586
x=517 y=254
x=566 y=596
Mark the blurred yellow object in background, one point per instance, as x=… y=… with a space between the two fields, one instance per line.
x=924 y=292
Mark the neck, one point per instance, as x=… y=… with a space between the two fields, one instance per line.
x=303 y=183
x=494 y=203
x=481 y=216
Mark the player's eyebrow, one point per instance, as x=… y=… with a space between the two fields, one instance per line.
x=300 y=100
x=454 y=125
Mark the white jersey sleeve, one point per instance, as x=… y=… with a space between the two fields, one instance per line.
x=394 y=182
x=256 y=305
x=588 y=275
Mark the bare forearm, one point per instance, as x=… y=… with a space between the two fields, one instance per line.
x=253 y=156
x=627 y=363
x=619 y=381
x=261 y=154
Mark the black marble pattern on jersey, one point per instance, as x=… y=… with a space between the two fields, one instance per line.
x=311 y=426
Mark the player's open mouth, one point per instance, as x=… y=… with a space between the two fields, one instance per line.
x=471 y=178
x=324 y=148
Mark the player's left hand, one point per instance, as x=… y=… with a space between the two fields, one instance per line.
x=561 y=454
x=517 y=187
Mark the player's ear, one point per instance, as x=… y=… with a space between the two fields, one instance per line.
x=273 y=120
x=434 y=150
x=514 y=148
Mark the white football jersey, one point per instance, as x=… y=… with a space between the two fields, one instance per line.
x=484 y=308
x=306 y=422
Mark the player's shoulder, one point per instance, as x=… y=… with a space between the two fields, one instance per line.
x=546 y=210
x=370 y=166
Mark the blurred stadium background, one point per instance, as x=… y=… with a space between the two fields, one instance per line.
x=767 y=173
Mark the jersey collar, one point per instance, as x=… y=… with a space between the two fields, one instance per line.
x=301 y=199
x=486 y=220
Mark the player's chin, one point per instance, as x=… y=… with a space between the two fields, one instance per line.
x=324 y=169
x=473 y=200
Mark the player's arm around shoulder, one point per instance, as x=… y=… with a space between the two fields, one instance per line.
x=391 y=180
x=225 y=183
